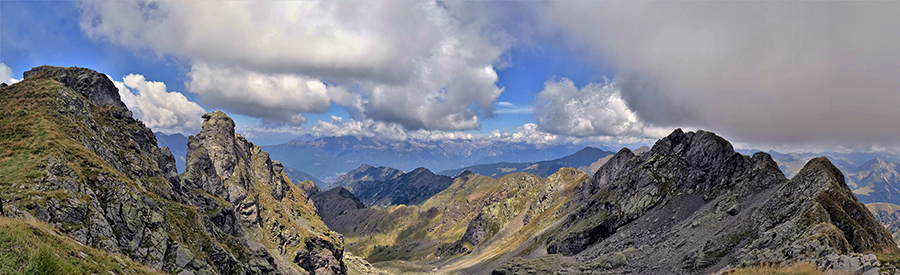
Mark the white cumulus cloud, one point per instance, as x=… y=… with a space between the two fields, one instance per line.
x=168 y=112
x=273 y=97
x=422 y=65
x=594 y=110
x=6 y=74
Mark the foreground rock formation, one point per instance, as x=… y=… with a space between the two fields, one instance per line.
x=693 y=205
x=75 y=158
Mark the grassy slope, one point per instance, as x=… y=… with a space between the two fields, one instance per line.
x=31 y=129
x=29 y=246
x=404 y=238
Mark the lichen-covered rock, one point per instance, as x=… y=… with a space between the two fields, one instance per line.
x=101 y=179
x=245 y=191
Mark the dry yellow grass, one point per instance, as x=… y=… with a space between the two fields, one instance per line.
x=772 y=269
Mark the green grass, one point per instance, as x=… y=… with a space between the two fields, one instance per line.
x=33 y=247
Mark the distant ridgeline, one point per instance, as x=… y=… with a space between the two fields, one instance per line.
x=328 y=157
x=580 y=160
x=87 y=190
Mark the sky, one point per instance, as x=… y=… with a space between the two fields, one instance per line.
x=788 y=75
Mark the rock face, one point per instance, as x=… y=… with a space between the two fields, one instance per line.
x=96 y=87
x=86 y=166
x=693 y=205
x=241 y=189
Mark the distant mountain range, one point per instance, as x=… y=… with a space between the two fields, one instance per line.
x=580 y=160
x=848 y=162
x=298 y=176
x=876 y=181
x=385 y=186
x=327 y=158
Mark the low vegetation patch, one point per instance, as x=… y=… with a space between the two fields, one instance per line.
x=773 y=269
x=33 y=247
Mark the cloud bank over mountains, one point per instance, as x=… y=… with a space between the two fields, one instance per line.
x=758 y=72
x=776 y=72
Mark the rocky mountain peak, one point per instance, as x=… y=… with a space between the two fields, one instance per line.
x=465 y=174
x=822 y=168
x=700 y=148
x=218 y=122
x=224 y=165
x=101 y=179
x=699 y=206
x=97 y=87
x=421 y=171
x=878 y=164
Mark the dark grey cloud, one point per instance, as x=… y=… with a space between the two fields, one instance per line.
x=767 y=72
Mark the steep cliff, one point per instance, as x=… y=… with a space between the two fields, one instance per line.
x=248 y=197
x=74 y=157
x=693 y=205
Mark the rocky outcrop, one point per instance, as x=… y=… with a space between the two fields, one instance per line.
x=693 y=205
x=102 y=180
x=242 y=190
x=84 y=165
x=96 y=87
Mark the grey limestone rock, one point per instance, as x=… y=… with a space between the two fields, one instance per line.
x=694 y=205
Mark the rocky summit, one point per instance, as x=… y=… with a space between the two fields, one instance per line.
x=75 y=158
x=693 y=205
